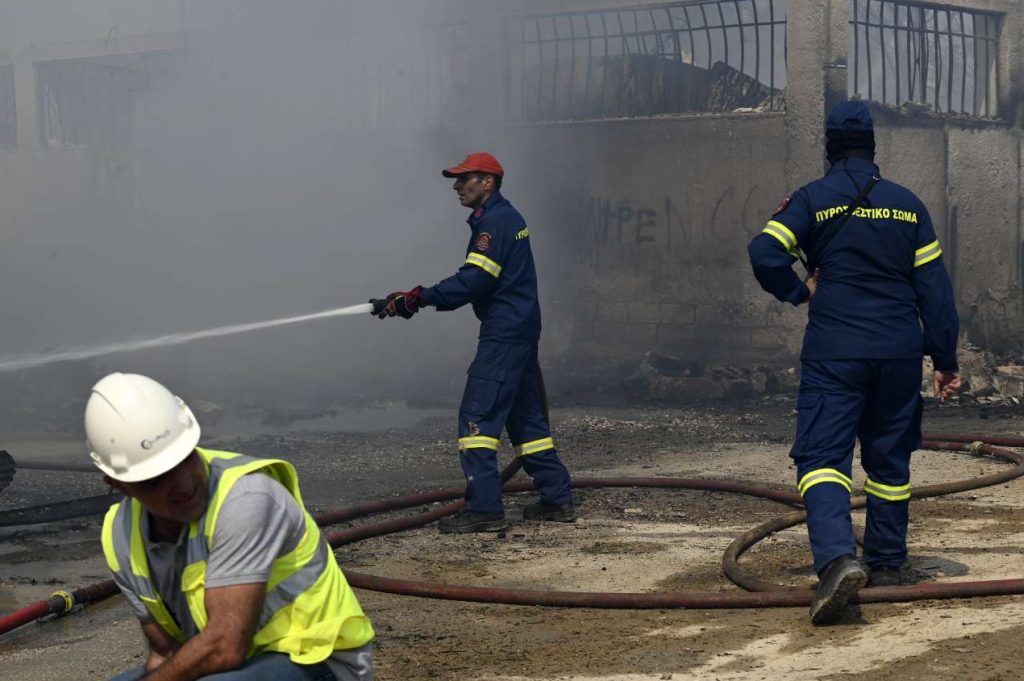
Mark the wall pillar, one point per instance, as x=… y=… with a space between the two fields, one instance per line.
x=837 y=63
x=807 y=50
x=1011 y=62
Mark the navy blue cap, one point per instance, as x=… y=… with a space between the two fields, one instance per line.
x=851 y=117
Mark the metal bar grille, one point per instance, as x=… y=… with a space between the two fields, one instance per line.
x=675 y=57
x=924 y=57
x=91 y=101
x=8 y=112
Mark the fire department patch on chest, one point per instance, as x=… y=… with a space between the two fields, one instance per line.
x=782 y=206
x=483 y=242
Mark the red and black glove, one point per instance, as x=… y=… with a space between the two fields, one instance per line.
x=402 y=304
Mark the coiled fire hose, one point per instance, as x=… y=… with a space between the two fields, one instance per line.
x=758 y=593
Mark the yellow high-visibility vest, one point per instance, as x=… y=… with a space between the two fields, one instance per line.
x=309 y=610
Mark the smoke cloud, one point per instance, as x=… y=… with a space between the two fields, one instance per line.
x=286 y=160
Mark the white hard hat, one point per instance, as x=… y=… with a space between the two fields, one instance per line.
x=136 y=429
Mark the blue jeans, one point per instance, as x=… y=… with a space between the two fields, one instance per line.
x=265 y=667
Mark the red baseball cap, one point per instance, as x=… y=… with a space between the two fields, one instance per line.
x=477 y=162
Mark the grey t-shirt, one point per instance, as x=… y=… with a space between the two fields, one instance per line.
x=258 y=522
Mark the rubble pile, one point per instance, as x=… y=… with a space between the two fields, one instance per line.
x=661 y=378
x=988 y=379
x=705 y=384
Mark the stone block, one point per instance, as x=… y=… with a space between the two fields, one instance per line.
x=617 y=313
x=724 y=337
x=644 y=313
x=712 y=315
x=1009 y=381
x=675 y=314
x=776 y=338
x=675 y=339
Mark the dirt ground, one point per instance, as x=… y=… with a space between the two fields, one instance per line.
x=626 y=540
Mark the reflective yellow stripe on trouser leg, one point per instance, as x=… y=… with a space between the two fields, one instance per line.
x=478 y=442
x=887 y=492
x=535 y=446
x=821 y=475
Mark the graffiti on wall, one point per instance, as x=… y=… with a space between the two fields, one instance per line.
x=683 y=228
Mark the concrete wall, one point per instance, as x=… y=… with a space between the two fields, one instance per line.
x=644 y=228
x=970 y=180
x=643 y=232
x=984 y=205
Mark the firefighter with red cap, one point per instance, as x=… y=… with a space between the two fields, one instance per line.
x=504 y=389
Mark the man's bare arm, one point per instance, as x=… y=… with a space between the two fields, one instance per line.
x=233 y=612
x=161 y=645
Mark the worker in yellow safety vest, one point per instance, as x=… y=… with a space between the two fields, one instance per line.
x=224 y=567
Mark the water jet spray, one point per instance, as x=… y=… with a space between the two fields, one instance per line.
x=29 y=361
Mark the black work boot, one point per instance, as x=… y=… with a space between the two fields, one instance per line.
x=538 y=510
x=884 y=576
x=473 y=521
x=842 y=578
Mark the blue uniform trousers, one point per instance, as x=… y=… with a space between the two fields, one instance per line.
x=503 y=392
x=879 y=402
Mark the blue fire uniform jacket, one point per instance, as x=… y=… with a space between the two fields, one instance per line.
x=884 y=292
x=883 y=300
x=498 y=276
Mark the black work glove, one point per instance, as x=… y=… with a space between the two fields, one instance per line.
x=402 y=304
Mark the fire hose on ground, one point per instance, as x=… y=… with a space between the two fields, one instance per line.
x=757 y=593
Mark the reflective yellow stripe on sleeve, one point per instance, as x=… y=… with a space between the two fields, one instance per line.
x=923 y=256
x=535 y=447
x=485 y=263
x=821 y=475
x=782 y=233
x=887 y=492
x=478 y=442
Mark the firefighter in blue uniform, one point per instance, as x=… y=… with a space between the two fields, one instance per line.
x=504 y=389
x=879 y=299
